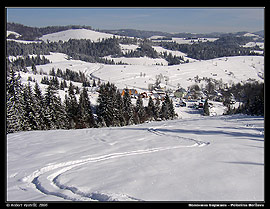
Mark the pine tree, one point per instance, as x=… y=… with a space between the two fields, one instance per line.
x=38 y=101
x=55 y=114
x=105 y=107
x=150 y=108
x=157 y=109
x=48 y=107
x=171 y=110
x=52 y=72
x=167 y=109
x=14 y=103
x=206 y=108
x=62 y=85
x=34 y=69
x=119 y=109
x=30 y=120
x=140 y=110
x=85 y=115
x=71 y=105
x=127 y=108
x=116 y=108
x=61 y=114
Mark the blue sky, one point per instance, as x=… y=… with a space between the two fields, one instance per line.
x=195 y=20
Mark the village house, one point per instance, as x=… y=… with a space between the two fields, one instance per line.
x=180 y=93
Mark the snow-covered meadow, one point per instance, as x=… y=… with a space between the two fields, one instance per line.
x=203 y=158
x=142 y=71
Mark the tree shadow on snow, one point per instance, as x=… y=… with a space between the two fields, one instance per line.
x=245 y=163
x=238 y=134
x=249 y=136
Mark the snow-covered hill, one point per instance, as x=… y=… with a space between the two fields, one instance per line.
x=199 y=159
x=76 y=34
x=17 y=35
x=229 y=69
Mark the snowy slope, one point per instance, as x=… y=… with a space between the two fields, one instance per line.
x=138 y=60
x=17 y=35
x=147 y=60
x=185 y=41
x=75 y=34
x=143 y=72
x=203 y=158
x=23 y=41
x=229 y=69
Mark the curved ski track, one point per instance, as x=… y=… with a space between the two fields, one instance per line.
x=46 y=179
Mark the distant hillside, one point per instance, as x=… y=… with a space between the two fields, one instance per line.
x=260 y=33
x=137 y=33
x=75 y=34
x=33 y=33
x=148 y=34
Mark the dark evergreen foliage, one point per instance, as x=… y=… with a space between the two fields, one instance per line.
x=127 y=108
x=32 y=33
x=39 y=104
x=150 y=109
x=251 y=95
x=29 y=114
x=224 y=46
x=28 y=109
x=71 y=106
x=167 y=109
x=206 y=108
x=14 y=103
x=140 y=111
x=85 y=114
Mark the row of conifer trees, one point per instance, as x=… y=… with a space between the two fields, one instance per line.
x=29 y=109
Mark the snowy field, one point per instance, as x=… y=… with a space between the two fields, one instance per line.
x=201 y=158
x=141 y=73
x=229 y=69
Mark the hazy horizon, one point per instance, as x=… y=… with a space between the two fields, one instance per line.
x=172 y=20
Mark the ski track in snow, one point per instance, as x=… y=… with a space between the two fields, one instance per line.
x=46 y=179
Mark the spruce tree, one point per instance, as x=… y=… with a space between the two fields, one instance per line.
x=127 y=108
x=30 y=120
x=85 y=115
x=38 y=100
x=167 y=109
x=171 y=110
x=105 y=106
x=113 y=104
x=50 y=118
x=71 y=105
x=61 y=121
x=55 y=113
x=119 y=109
x=150 y=108
x=140 y=110
x=206 y=108
x=157 y=109
x=14 y=103
x=34 y=69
